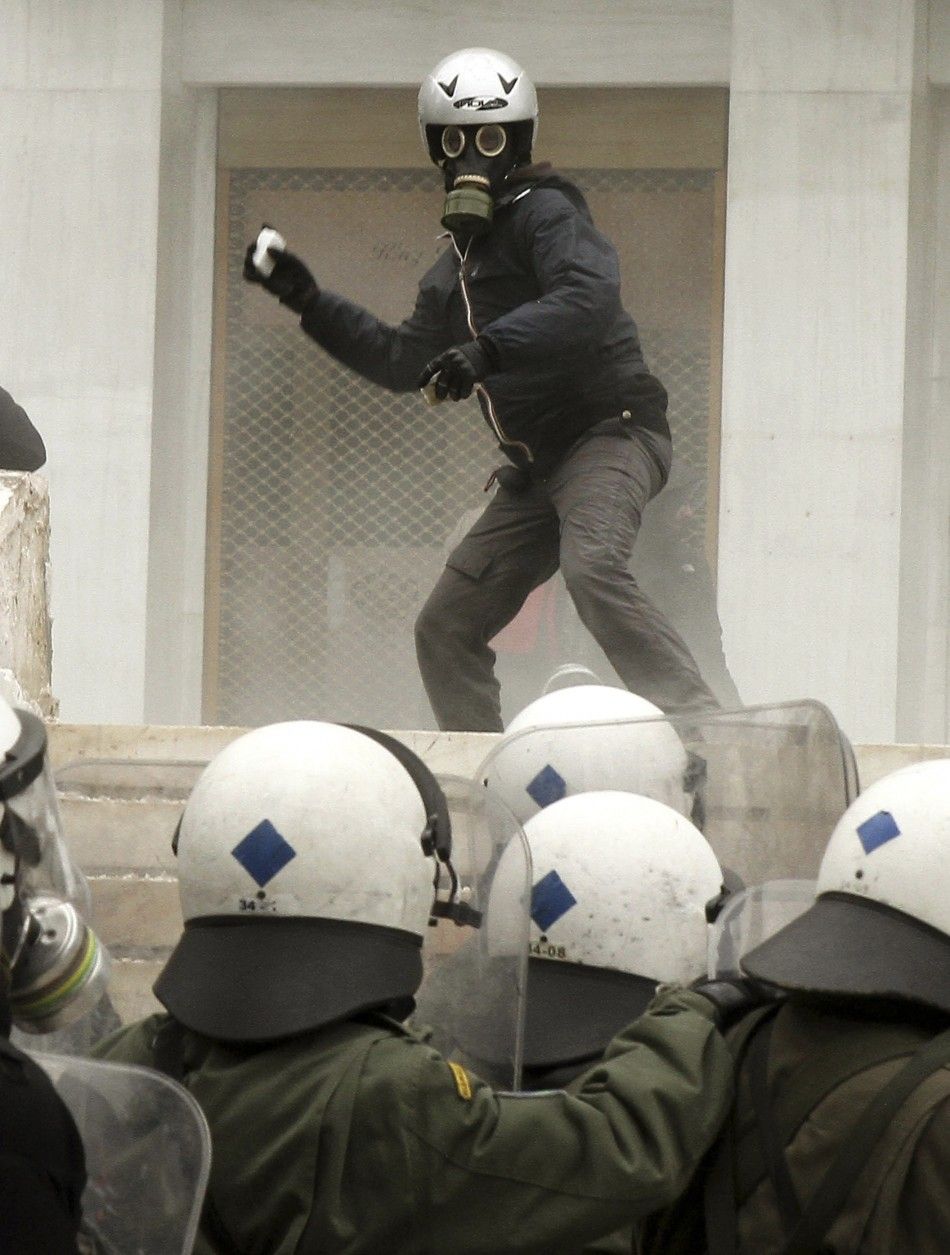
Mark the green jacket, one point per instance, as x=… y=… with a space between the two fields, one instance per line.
x=899 y=1205
x=359 y=1137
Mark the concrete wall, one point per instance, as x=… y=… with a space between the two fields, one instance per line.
x=363 y=42
x=107 y=165
x=828 y=490
x=80 y=109
x=820 y=472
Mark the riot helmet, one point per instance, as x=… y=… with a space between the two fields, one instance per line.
x=309 y=855
x=478 y=114
x=55 y=968
x=620 y=888
x=591 y=737
x=880 y=924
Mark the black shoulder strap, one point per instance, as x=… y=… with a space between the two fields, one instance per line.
x=771 y=1143
x=836 y=1185
x=719 y=1193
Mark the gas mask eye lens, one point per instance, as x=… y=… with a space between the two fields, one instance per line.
x=453 y=141
x=491 y=140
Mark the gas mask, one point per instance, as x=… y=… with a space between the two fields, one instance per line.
x=476 y=161
x=55 y=968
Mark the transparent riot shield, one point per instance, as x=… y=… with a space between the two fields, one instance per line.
x=766 y=784
x=472 y=997
x=750 y=917
x=142 y=849
x=148 y=1155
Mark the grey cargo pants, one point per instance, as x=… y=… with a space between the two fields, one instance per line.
x=584 y=519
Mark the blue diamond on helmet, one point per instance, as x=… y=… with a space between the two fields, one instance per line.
x=878 y=830
x=263 y=852
x=547 y=787
x=550 y=899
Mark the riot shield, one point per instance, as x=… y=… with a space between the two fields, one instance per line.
x=473 y=992
x=766 y=784
x=135 y=848
x=750 y=917
x=148 y=1155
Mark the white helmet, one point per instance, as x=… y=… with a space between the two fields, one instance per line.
x=880 y=926
x=318 y=833
x=620 y=886
x=577 y=739
x=473 y=86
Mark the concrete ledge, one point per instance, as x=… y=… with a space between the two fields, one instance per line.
x=448 y=753
x=875 y=761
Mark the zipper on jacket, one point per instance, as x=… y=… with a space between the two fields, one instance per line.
x=479 y=387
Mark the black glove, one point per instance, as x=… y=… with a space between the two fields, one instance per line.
x=290 y=280
x=734 y=996
x=458 y=370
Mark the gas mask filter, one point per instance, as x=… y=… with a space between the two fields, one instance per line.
x=54 y=965
x=476 y=161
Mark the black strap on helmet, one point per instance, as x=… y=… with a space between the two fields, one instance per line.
x=437 y=835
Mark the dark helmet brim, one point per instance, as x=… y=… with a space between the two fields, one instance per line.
x=573 y=1011
x=850 y=947
x=260 y=979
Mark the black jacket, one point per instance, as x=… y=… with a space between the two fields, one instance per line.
x=42 y=1162
x=542 y=287
x=21 y=445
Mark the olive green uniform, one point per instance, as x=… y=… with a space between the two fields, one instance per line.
x=898 y=1205
x=358 y=1137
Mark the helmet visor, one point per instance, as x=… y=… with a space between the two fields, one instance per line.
x=32 y=829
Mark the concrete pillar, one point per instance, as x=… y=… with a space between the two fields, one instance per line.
x=80 y=116
x=179 y=471
x=923 y=696
x=816 y=308
x=25 y=648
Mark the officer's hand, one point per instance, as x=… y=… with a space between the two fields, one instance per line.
x=457 y=371
x=290 y=280
x=734 y=996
